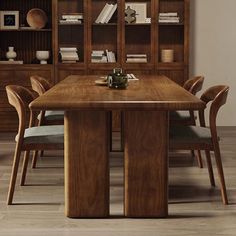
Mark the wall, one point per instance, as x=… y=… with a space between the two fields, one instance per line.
x=213 y=49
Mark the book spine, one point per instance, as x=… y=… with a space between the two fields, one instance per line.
x=98 y=20
x=111 y=13
x=106 y=13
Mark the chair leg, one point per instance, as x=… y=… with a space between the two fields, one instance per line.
x=34 y=159
x=209 y=166
x=15 y=167
x=221 y=174
x=199 y=159
x=24 y=168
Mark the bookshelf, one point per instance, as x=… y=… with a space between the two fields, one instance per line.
x=139 y=39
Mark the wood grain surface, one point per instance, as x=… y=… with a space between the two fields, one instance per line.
x=86 y=164
x=150 y=92
x=146 y=163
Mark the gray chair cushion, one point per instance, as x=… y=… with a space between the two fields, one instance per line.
x=190 y=134
x=44 y=134
x=180 y=115
x=53 y=115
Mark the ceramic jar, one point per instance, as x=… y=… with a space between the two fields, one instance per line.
x=11 y=54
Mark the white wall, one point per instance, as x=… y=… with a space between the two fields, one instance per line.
x=213 y=49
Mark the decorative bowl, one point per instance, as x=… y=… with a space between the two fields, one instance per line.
x=42 y=56
x=36 y=18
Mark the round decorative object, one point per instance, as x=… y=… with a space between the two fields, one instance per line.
x=36 y=18
x=11 y=54
x=42 y=56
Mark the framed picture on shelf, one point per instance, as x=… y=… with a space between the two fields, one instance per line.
x=9 y=19
x=141 y=11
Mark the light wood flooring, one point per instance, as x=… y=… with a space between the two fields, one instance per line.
x=194 y=207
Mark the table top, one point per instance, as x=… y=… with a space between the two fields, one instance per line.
x=149 y=92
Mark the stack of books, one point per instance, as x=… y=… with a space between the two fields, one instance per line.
x=106 y=13
x=101 y=56
x=169 y=17
x=136 y=58
x=69 y=55
x=98 y=56
x=72 y=18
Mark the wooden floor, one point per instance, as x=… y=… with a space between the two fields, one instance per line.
x=194 y=207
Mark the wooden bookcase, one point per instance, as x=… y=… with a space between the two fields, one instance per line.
x=116 y=36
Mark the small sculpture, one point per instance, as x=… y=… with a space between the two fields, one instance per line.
x=130 y=15
x=11 y=54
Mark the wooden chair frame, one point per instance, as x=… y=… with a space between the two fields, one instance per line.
x=20 y=98
x=217 y=95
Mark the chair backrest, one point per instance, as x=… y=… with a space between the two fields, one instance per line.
x=218 y=96
x=39 y=84
x=20 y=98
x=194 y=85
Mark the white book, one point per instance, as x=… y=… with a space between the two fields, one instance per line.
x=112 y=57
x=168 y=21
x=106 y=13
x=79 y=16
x=168 y=14
x=98 y=20
x=72 y=49
x=111 y=13
x=137 y=55
x=141 y=60
x=169 y=18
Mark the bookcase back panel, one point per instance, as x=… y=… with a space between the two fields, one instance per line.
x=25 y=44
x=172 y=6
x=138 y=43
x=73 y=6
x=72 y=36
x=172 y=37
x=104 y=37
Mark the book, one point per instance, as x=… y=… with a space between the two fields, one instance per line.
x=109 y=16
x=78 y=16
x=136 y=55
x=98 y=20
x=72 y=49
x=169 y=21
x=70 y=22
x=106 y=13
x=70 y=61
x=168 y=14
x=137 y=60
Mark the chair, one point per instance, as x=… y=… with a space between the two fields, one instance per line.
x=40 y=85
x=193 y=86
x=202 y=138
x=187 y=117
x=33 y=138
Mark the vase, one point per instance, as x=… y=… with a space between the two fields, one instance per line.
x=11 y=54
x=42 y=56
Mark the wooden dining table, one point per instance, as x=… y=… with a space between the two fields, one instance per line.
x=145 y=104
